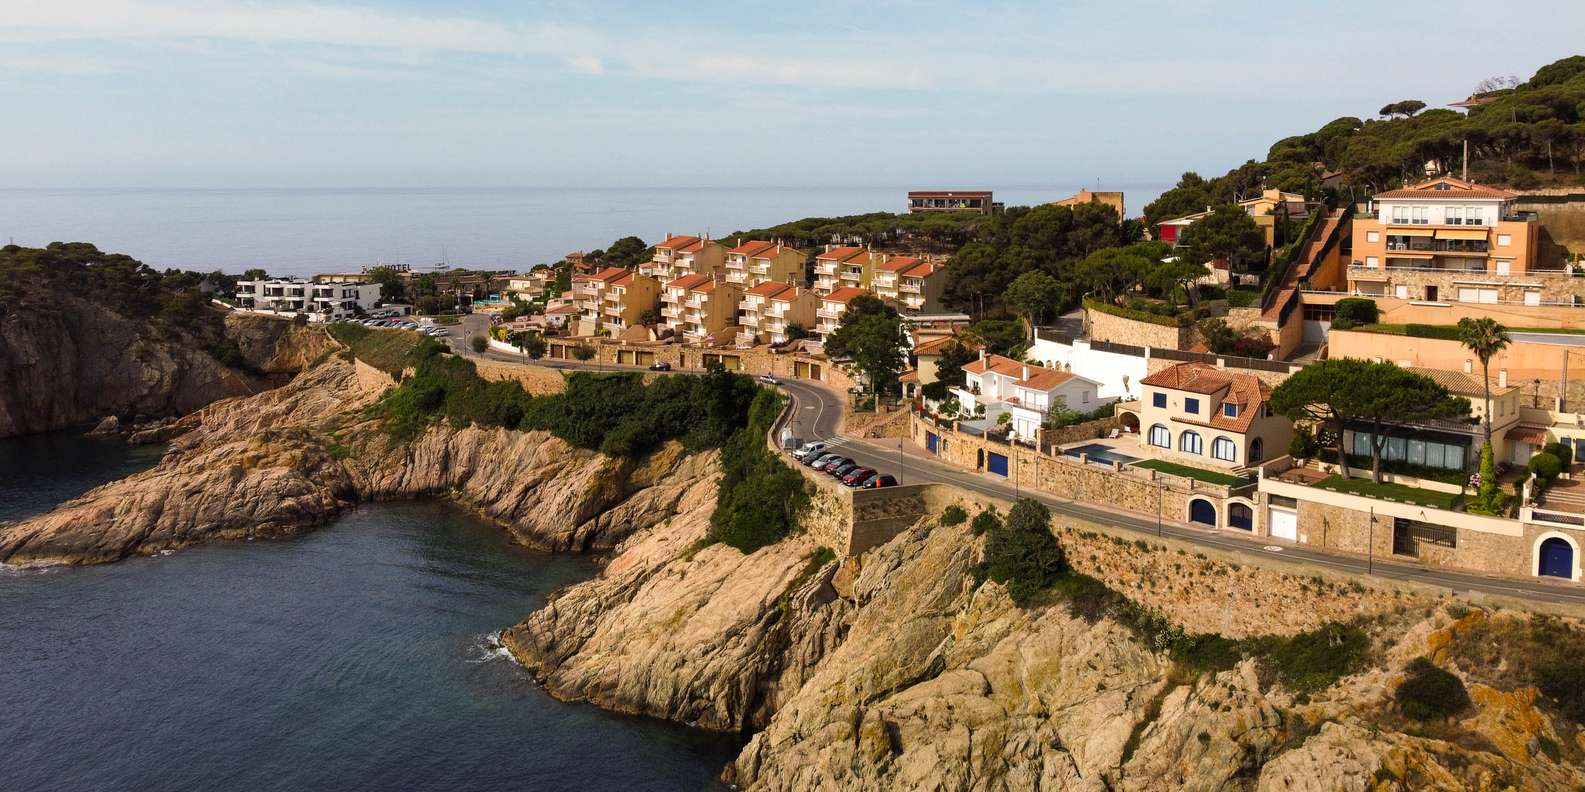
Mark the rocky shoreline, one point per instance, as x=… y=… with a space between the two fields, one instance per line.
x=892 y=670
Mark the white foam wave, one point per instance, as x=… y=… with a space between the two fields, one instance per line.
x=488 y=648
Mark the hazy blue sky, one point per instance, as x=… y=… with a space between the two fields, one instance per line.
x=476 y=92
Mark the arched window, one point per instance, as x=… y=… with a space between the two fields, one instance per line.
x=1189 y=442
x=1224 y=449
x=1160 y=437
x=1257 y=451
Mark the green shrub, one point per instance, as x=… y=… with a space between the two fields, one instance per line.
x=1430 y=693
x=1312 y=661
x=583 y=352
x=1546 y=467
x=1355 y=311
x=985 y=521
x=1563 y=452
x=760 y=496
x=479 y=343
x=1022 y=553
x=1303 y=445
x=953 y=515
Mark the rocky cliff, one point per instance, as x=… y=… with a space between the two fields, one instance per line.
x=79 y=362
x=899 y=673
x=288 y=459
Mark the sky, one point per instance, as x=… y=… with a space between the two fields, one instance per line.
x=228 y=93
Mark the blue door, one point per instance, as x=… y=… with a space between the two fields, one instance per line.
x=1201 y=511
x=1557 y=559
x=996 y=463
x=930 y=442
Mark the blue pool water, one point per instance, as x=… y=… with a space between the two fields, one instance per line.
x=1100 y=454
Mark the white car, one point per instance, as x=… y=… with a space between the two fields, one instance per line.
x=815 y=448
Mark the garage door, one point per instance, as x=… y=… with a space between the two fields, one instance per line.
x=1284 y=523
x=1475 y=295
x=996 y=463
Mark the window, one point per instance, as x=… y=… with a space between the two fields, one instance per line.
x=1158 y=399
x=1191 y=406
x=1504 y=240
x=1400 y=214
x=1473 y=216
x=1455 y=215
x=1372 y=236
x=1371 y=262
x=1160 y=437
x=1422 y=215
x=1230 y=410
x=1190 y=443
x=1224 y=450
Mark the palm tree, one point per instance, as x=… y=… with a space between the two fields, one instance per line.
x=1485 y=338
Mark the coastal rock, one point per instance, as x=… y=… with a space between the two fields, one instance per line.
x=295 y=457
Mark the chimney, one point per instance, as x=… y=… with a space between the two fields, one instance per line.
x=1026 y=372
x=1502 y=378
x=982 y=353
x=1469 y=367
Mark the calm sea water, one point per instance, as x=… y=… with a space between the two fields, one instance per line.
x=304 y=231
x=358 y=657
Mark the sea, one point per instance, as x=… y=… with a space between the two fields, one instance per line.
x=362 y=656
x=308 y=231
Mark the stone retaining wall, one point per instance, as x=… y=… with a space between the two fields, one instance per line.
x=749 y=361
x=1118 y=330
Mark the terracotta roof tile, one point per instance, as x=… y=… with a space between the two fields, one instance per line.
x=753 y=247
x=840 y=254
x=1456 y=188
x=673 y=243
x=896 y=263
x=1245 y=390
x=1460 y=384
x=688 y=282
x=844 y=294
x=770 y=288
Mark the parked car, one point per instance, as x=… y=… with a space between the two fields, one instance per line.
x=857 y=476
x=660 y=366
x=841 y=471
x=883 y=480
x=806 y=449
x=769 y=380
x=836 y=463
x=818 y=461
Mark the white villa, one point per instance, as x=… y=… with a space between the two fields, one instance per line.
x=1026 y=392
x=319 y=301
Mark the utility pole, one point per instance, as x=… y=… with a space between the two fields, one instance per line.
x=1370 y=544
x=1158 y=507
x=1464 y=172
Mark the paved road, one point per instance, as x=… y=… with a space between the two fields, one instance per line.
x=1562 y=339
x=817 y=415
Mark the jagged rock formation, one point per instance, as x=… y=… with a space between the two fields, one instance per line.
x=913 y=678
x=292 y=458
x=81 y=362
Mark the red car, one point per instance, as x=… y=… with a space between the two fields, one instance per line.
x=857 y=476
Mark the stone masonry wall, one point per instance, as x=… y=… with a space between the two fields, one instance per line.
x=1116 y=329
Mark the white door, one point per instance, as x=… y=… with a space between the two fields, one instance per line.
x=1521 y=453
x=1532 y=298
x=1503 y=267
x=1284 y=523
x=1401 y=292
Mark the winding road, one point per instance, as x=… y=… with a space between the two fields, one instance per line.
x=817 y=415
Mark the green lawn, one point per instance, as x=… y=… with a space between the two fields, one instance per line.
x=1395 y=492
x=1207 y=476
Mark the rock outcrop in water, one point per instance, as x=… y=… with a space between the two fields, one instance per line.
x=289 y=459
x=914 y=678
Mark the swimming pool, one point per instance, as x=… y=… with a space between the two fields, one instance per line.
x=1101 y=455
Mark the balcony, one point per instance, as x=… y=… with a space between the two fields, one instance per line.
x=833 y=314
x=907 y=287
x=825 y=268
x=734 y=276
x=671 y=312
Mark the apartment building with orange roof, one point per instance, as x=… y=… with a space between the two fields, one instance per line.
x=828 y=317
x=769 y=308
x=755 y=261
x=1448 y=240
x=588 y=293
x=839 y=267
x=678 y=256
x=700 y=307
x=913 y=284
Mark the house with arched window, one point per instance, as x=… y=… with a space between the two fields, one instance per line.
x=1200 y=414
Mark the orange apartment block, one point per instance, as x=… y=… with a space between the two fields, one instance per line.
x=1112 y=199
x=832 y=306
x=913 y=284
x=755 y=261
x=679 y=256
x=770 y=307
x=1448 y=240
x=843 y=267
x=700 y=307
x=588 y=290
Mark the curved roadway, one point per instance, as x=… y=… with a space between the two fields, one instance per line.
x=817 y=415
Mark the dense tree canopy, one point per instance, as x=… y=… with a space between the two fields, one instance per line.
x=1048 y=239
x=1227 y=234
x=871 y=333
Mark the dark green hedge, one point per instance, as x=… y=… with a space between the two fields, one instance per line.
x=760 y=495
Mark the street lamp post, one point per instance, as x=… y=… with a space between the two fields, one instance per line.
x=1159 y=495
x=1012 y=451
